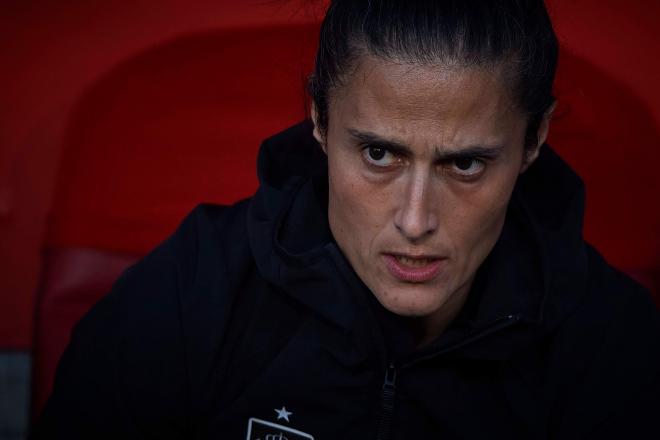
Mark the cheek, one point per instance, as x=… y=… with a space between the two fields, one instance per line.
x=357 y=210
x=478 y=218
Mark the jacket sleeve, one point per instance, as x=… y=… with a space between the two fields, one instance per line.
x=618 y=396
x=632 y=350
x=124 y=373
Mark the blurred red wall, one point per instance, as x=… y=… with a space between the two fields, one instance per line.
x=51 y=52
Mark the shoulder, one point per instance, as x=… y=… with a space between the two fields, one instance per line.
x=185 y=277
x=208 y=229
x=628 y=322
x=618 y=302
x=611 y=301
x=199 y=246
x=155 y=332
x=136 y=361
x=191 y=277
x=616 y=321
x=611 y=347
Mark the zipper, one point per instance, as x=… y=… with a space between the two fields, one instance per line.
x=388 y=390
x=387 y=396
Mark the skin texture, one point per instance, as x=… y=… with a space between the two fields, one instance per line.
x=418 y=202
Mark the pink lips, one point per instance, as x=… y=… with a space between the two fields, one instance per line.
x=413 y=273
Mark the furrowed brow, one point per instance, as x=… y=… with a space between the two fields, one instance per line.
x=487 y=152
x=441 y=154
x=365 y=137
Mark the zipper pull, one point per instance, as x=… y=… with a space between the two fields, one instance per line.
x=389 y=385
x=388 y=394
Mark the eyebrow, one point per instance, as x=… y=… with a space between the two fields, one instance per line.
x=399 y=148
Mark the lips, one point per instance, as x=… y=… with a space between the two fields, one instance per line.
x=413 y=269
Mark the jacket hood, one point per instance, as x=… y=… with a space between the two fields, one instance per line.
x=536 y=272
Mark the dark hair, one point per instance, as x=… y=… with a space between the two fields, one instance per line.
x=514 y=34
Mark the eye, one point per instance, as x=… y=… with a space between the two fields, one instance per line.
x=467 y=166
x=378 y=156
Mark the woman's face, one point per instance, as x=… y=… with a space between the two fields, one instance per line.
x=422 y=162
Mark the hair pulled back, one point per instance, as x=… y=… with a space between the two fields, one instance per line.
x=515 y=36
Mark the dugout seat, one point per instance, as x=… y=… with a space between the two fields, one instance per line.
x=181 y=124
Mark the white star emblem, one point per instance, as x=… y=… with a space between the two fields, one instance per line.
x=283 y=414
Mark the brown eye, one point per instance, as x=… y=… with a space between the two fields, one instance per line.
x=376 y=153
x=464 y=164
x=378 y=156
x=468 y=166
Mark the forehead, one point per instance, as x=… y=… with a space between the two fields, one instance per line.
x=455 y=104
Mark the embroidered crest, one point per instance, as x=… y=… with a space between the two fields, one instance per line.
x=262 y=430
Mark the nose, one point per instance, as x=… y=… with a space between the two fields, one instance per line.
x=416 y=216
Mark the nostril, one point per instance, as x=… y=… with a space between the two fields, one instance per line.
x=415 y=226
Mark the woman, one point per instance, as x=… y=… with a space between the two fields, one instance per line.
x=411 y=266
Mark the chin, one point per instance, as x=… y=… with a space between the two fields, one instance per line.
x=414 y=301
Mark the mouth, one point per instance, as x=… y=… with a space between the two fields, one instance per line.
x=413 y=269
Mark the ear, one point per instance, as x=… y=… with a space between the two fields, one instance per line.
x=541 y=135
x=316 y=132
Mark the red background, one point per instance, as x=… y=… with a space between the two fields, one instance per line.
x=117 y=117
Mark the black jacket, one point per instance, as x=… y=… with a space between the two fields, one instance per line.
x=252 y=308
